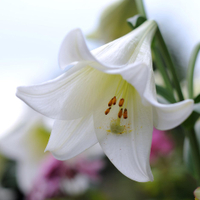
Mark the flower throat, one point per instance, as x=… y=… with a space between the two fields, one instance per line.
x=121 y=94
x=122 y=90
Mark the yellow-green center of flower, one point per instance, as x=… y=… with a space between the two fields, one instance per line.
x=115 y=127
x=120 y=99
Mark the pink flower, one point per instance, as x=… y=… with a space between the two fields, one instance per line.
x=162 y=145
x=60 y=178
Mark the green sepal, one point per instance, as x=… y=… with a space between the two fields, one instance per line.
x=136 y=21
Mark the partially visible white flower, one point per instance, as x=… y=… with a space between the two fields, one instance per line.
x=26 y=145
x=7 y=194
x=83 y=99
x=77 y=185
x=63 y=178
x=197 y=193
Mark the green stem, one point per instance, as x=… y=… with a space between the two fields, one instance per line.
x=195 y=152
x=167 y=58
x=161 y=67
x=140 y=7
x=191 y=67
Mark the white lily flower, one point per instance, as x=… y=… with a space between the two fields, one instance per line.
x=78 y=100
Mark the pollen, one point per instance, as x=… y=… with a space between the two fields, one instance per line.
x=120 y=113
x=107 y=111
x=125 y=114
x=114 y=100
x=121 y=102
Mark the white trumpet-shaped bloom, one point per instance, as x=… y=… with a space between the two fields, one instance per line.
x=108 y=96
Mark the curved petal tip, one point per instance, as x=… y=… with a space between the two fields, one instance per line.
x=73 y=49
x=169 y=116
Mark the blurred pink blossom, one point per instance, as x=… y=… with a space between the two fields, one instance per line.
x=162 y=145
x=51 y=181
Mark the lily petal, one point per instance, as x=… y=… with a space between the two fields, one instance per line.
x=74 y=49
x=129 y=55
x=166 y=116
x=77 y=87
x=130 y=150
x=169 y=116
x=70 y=138
x=112 y=56
x=26 y=172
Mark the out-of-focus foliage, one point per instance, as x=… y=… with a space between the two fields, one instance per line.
x=171 y=180
x=113 y=22
x=187 y=149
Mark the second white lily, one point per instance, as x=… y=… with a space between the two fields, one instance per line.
x=108 y=96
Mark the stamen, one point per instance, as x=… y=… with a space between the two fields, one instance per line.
x=110 y=102
x=120 y=113
x=107 y=111
x=114 y=100
x=121 y=102
x=125 y=115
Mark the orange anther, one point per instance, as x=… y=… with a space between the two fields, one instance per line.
x=114 y=100
x=107 y=111
x=120 y=113
x=110 y=102
x=121 y=102
x=125 y=115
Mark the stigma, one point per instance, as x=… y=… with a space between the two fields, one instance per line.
x=115 y=127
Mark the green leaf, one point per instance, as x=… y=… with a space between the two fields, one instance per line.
x=197 y=99
x=136 y=21
x=197 y=104
x=165 y=94
x=162 y=47
x=187 y=149
x=187 y=155
x=191 y=67
x=160 y=65
x=191 y=120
